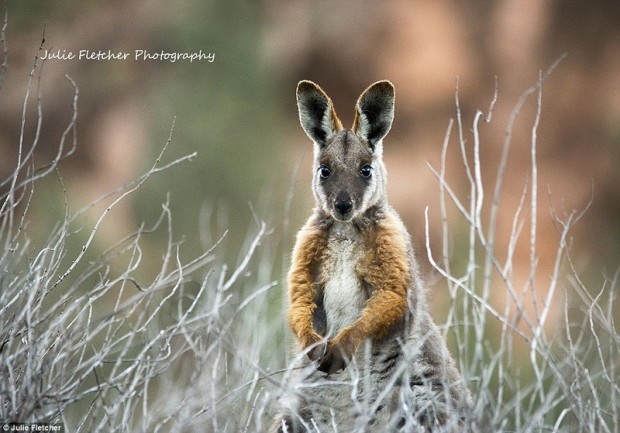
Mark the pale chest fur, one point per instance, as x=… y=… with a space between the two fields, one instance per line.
x=344 y=294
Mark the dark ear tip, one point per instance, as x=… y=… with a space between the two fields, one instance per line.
x=305 y=86
x=384 y=86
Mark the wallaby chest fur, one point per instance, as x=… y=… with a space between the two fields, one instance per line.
x=344 y=294
x=368 y=355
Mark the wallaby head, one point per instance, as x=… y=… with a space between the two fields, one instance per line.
x=349 y=175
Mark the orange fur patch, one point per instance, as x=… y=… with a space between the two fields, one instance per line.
x=385 y=267
x=310 y=245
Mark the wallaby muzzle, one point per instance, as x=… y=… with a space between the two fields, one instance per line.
x=343 y=206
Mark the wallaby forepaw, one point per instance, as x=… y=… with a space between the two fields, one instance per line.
x=332 y=362
x=317 y=352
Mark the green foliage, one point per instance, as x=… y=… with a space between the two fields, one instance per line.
x=227 y=112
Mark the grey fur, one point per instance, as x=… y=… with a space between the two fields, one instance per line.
x=406 y=381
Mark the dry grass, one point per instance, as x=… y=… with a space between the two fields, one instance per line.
x=83 y=343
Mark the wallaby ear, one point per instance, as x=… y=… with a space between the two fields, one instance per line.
x=374 y=112
x=316 y=113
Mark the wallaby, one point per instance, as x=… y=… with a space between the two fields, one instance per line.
x=370 y=357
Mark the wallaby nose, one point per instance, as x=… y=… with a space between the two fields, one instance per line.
x=343 y=205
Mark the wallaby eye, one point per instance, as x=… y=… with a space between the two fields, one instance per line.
x=325 y=171
x=366 y=171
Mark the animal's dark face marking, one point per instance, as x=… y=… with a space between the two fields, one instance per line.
x=349 y=177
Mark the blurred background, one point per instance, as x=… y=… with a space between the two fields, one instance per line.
x=239 y=114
